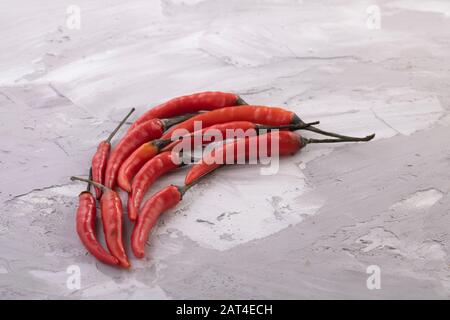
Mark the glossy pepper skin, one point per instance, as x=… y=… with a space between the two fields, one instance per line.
x=112 y=217
x=202 y=135
x=85 y=222
x=160 y=202
x=149 y=130
x=99 y=165
x=147 y=175
x=288 y=143
x=257 y=114
x=136 y=160
x=147 y=151
x=189 y=104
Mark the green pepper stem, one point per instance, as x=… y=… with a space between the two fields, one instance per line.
x=345 y=139
x=167 y=123
x=88 y=189
x=112 y=134
x=183 y=189
x=241 y=102
x=291 y=127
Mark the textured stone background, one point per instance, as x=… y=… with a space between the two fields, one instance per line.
x=309 y=231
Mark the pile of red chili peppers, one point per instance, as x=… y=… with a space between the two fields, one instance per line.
x=146 y=152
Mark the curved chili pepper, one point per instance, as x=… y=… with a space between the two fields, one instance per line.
x=147 y=175
x=112 y=217
x=257 y=114
x=101 y=156
x=288 y=143
x=147 y=151
x=190 y=104
x=146 y=131
x=169 y=197
x=85 y=221
x=134 y=162
x=160 y=202
x=166 y=161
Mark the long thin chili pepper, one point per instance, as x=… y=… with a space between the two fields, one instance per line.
x=112 y=217
x=100 y=157
x=147 y=175
x=165 y=161
x=288 y=143
x=258 y=114
x=85 y=222
x=242 y=120
x=190 y=104
x=169 y=197
x=146 y=131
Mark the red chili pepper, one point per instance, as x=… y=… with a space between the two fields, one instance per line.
x=169 y=197
x=162 y=201
x=135 y=161
x=112 y=217
x=148 y=150
x=101 y=156
x=190 y=104
x=257 y=114
x=288 y=143
x=146 y=131
x=86 y=219
x=147 y=175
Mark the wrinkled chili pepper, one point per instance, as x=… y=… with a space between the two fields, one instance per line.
x=146 y=131
x=100 y=157
x=167 y=161
x=190 y=104
x=86 y=221
x=112 y=217
x=288 y=143
x=169 y=197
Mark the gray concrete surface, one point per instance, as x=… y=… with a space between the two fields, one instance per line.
x=310 y=231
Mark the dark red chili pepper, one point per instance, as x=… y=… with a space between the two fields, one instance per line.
x=101 y=156
x=146 y=131
x=288 y=143
x=190 y=104
x=85 y=221
x=112 y=217
x=147 y=175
